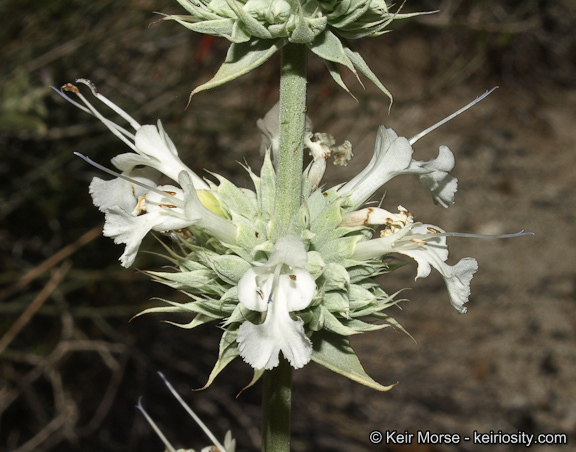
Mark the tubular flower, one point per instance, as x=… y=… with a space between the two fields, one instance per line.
x=426 y=244
x=393 y=157
x=259 y=28
x=299 y=292
x=278 y=287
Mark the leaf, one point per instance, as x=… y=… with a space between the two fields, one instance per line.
x=335 y=73
x=241 y=59
x=334 y=353
x=257 y=374
x=267 y=187
x=236 y=200
x=362 y=66
x=228 y=352
x=348 y=327
x=329 y=47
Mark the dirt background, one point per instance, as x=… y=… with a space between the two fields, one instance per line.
x=73 y=367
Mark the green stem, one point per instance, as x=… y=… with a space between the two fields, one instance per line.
x=292 y=125
x=276 y=404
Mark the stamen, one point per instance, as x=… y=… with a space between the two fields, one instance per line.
x=88 y=83
x=165 y=194
x=66 y=98
x=117 y=130
x=191 y=413
x=415 y=138
x=155 y=427
x=104 y=100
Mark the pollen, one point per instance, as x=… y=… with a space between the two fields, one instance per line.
x=140 y=206
x=70 y=87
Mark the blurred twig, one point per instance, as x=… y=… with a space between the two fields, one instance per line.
x=51 y=262
x=35 y=305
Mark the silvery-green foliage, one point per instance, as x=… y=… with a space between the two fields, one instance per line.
x=259 y=28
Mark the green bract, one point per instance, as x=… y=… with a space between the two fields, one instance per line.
x=209 y=271
x=258 y=28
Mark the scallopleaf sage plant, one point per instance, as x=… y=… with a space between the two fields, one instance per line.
x=299 y=292
x=257 y=29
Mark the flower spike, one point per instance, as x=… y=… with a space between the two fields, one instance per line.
x=299 y=290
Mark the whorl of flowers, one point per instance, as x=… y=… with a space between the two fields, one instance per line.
x=300 y=292
x=259 y=28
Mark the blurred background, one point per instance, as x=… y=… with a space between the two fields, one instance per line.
x=72 y=365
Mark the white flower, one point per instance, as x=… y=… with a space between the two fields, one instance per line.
x=134 y=206
x=434 y=175
x=151 y=144
x=392 y=157
x=133 y=203
x=121 y=192
x=131 y=211
x=426 y=244
x=278 y=287
x=154 y=148
x=391 y=154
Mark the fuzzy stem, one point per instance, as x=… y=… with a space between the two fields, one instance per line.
x=292 y=125
x=276 y=404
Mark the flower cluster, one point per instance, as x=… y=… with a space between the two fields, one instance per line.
x=259 y=28
x=303 y=293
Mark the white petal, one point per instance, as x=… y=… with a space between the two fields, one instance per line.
x=260 y=345
x=120 y=192
x=458 y=279
x=131 y=230
x=434 y=175
x=431 y=252
x=154 y=144
x=376 y=248
x=125 y=228
x=250 y=294
x=443 y=190
x=298 y=288
x=392 y=155
x=126 y=162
